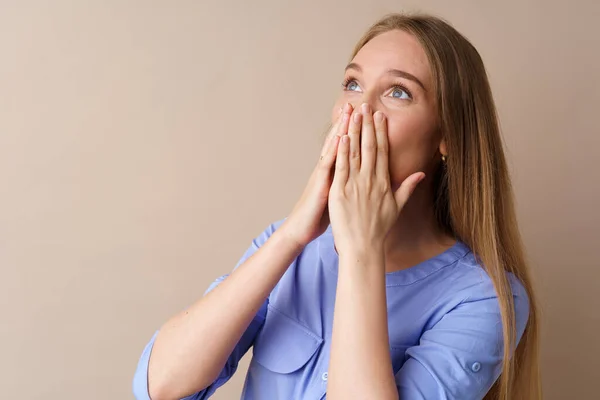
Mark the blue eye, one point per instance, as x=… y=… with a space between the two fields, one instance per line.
x=398 y=91
x=350 y=85
x=401 y=93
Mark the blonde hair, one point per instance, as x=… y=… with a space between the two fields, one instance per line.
x=474 y=199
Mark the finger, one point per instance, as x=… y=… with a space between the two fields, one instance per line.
x=354 y=139
x=342 y=128
x=331 y=133
x=342 y=170
x=339 y=128
x=381 y=135
x=327 y=160
x=407 y=188
x=368 y=142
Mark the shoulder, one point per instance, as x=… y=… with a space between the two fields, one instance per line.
x=460 y=354
x=477 y=287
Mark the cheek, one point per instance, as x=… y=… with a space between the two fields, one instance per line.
x=411 y=143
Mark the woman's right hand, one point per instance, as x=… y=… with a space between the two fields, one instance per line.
x=310 y=217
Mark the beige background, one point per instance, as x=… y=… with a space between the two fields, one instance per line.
x=143 y=144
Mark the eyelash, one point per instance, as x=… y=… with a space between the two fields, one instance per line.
x=395 y=86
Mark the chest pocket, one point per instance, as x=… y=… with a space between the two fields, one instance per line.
x=284 y=345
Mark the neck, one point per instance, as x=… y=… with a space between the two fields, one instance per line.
x=416 y=236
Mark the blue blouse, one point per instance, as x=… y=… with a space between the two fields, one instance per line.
x=444 y=328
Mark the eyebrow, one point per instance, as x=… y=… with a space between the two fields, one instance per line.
x=395 y=72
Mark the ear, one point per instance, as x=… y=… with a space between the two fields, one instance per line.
x=442 y=149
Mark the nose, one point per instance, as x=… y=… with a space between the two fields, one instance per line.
x=371 y=102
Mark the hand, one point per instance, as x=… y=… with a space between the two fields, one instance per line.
x=362 y=206
x=310 y=216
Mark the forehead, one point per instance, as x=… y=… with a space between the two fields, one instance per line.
x=394 y=49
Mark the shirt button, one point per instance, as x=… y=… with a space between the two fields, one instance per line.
x=476 y=367
x=324 y=376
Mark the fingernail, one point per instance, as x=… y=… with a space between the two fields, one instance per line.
x=378 y=116
x=357 y=117
x=366 y=108
x=347 y=107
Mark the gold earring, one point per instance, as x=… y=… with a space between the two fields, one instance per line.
x=443 y=158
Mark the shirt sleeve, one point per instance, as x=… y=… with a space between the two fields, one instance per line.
x=460 y=357
x=140 y=380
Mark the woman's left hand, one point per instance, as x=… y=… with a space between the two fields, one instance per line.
x=362 y=206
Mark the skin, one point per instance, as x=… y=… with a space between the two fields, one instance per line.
x=379 y=220
x=415 y=141
x=380 y=205
x=192 y=347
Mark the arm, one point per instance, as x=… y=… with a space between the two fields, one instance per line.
x=360 y=365
x=363 y=209
x=192 y=348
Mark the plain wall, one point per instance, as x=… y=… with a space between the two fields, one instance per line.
x=143 y=144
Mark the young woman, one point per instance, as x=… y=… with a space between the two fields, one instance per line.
x=400 y=272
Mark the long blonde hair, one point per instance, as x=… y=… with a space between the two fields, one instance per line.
x=474 y=198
